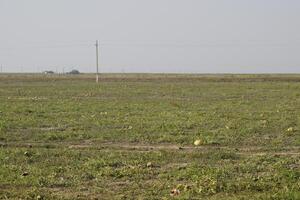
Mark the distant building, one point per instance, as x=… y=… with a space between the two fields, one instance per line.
x=74 y=71
x=48 y=72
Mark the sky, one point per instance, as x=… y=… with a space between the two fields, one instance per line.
x=151 y=36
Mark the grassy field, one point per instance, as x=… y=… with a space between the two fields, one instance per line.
x=132 y=137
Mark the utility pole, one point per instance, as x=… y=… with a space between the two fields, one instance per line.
x=1 y=68
x=97 y=61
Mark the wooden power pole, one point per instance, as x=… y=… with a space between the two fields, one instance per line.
x=97 y=61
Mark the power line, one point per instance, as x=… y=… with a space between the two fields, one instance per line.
x=158 y=44
x=47 y=46
x=200 y=45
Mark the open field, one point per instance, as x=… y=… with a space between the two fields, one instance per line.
x=131 y=137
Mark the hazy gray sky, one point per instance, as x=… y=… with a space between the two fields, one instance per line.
x=203 y=36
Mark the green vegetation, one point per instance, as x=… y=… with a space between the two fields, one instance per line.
x=132 y=137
